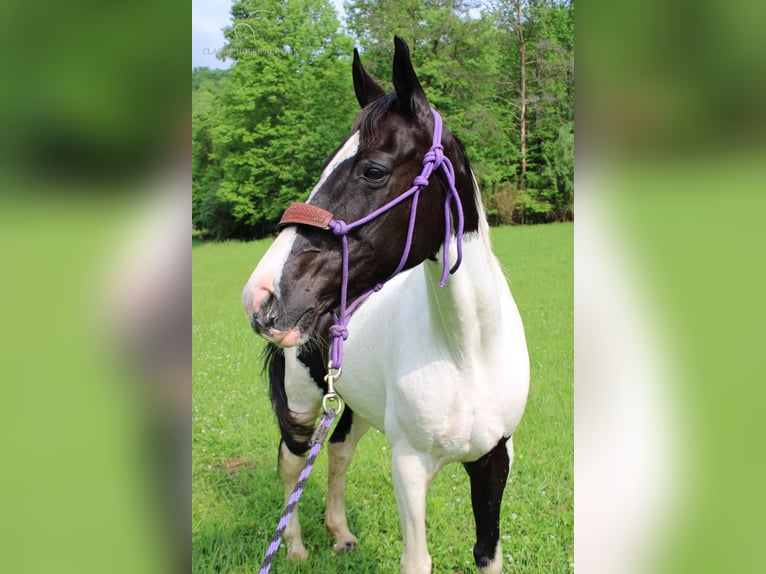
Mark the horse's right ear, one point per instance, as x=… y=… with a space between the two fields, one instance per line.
x=412 y=99
x=366 y=88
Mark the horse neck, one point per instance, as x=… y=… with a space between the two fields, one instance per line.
x=467 y=310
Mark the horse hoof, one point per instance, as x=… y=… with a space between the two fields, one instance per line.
x=298 y=554
x=345 y=547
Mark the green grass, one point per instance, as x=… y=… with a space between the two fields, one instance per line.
x=234 y=510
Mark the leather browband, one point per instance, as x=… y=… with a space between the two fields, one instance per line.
x=305 y=214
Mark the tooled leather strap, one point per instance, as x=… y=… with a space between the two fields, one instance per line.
x=305 y=214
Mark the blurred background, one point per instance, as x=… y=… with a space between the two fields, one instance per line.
x=95 y=283
x=95 y=233
x=671 y=134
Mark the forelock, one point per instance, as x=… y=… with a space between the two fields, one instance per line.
x=370 y=120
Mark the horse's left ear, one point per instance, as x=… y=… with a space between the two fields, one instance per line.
x=412 y=98
x=365 y=86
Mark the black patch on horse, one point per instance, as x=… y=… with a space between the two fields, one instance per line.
x=488 y=475
x=294 y=434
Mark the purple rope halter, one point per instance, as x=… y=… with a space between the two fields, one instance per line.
x=432 y=160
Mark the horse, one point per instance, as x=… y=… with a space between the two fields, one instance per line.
x=435 y=360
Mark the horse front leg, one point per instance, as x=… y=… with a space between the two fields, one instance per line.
x=341 y=449
x=412 y=474
x=488 y=476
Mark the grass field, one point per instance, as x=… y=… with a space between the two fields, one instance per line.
x=237 y=496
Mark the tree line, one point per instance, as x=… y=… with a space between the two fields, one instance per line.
x=500 y=72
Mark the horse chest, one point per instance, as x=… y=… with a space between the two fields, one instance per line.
x=410 y=384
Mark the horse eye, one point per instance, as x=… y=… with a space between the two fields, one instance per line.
x=374 y=173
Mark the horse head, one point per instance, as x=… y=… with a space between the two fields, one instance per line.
x=296 y=288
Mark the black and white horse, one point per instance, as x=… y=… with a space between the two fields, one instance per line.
x=443 y=371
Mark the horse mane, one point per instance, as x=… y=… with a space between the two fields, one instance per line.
x=294 y=434
x=461 y=149
x=369 y=121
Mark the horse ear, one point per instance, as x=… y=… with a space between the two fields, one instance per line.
x=366 y=88
x=412 y=98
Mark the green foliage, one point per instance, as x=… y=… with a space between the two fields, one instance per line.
x=551 y=81
x=286 y=104
x=262 y=129
x=207 y=86
x=559 y=172
x=547 y=28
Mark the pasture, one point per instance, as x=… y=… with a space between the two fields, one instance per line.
x=237 y=496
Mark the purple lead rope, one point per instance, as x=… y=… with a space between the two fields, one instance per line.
x=433 y=160
x=317 y=440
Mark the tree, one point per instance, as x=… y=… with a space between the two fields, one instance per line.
x=552 y=105
x=207 y=86
x=538 y=81
x=559 y=171
x=513 y=16
x=287 y=102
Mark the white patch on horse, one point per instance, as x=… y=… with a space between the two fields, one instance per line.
x=264 y=280
x=495 y=565
x=348 y=150
x=302 y=391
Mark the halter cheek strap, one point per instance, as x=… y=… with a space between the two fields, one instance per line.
x=313 y=216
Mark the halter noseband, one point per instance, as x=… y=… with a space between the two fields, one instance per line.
x=311 y=215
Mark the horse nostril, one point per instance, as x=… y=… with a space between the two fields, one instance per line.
x=266 y=316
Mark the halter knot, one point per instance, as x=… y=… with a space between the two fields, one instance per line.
x=420 y=181
x=435 y=155
x=338 y=227
x=339 y=331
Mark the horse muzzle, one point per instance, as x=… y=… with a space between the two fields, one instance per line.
x=269 y=321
